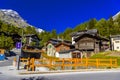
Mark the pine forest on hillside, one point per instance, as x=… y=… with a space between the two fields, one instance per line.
x=105 y=28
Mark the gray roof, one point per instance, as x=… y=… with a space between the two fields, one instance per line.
x=113 y=36
x=57 y=41
x=71 y=50
x=92 y=36
x=92 y=32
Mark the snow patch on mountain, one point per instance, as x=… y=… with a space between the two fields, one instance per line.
x=39 y=30
x=116 y=15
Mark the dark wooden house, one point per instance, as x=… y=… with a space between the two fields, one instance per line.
x=32 y=38
x=32 y=51
x=89 y=41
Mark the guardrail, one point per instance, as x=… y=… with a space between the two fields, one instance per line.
x=75 y=63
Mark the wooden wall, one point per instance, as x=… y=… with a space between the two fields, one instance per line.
x=62 y=48
x=87 y=43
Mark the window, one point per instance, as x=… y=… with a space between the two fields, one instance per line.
x=116 y=41
x=117 y=47
x=49 y=46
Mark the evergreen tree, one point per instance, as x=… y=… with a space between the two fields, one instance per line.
x=53 y=34
x=6 y=42
x=92 y=23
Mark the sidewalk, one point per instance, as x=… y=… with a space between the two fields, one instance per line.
x=9 y=70
x=12 y=71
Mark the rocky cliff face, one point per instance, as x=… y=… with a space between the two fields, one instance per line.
x=12 y=17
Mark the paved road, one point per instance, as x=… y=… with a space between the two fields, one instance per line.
x=111 y=75
x=7 y=62
x=88 y=76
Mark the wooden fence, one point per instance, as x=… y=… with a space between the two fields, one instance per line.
x=70 y=63
x=25 y=62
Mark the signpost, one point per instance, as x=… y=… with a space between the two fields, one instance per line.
x=18 y=46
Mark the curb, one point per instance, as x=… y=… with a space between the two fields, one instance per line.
x=65 y=71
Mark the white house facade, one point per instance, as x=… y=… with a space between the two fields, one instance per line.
x=51 y=50
x=115 y=42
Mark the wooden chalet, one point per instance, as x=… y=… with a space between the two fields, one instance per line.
x=32 y=38
x=54 y=46
x=31 y=51
x=62 y=46
x=89 y=41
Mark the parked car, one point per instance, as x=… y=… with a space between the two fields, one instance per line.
x=9 y=53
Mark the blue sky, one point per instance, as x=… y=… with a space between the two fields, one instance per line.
x=60 y=14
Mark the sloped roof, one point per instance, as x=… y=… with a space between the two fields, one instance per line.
x=71 y=50
x=92 y=32
x=113 y=36
x=32 y=49
x=67 y=44
x=92 y=36
x=34 y=36
x=57 y=42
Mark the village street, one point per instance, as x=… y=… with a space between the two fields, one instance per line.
x=94 y=75
x=7 y=62
x=8 y=72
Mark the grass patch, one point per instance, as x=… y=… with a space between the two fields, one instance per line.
x=105 y=55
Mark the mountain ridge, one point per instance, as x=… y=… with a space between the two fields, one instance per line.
x=10 y=16
x=116 y=15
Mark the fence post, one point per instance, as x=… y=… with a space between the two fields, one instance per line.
x=50 y=64
x=86 y=63
x=63 y=64
x=115 y=62
x=28 y=64
x=97 y=63
x=111 y=63
x=33 y=66
x=75 y=63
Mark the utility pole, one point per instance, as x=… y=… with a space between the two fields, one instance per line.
x=21 y=43
x=19 y=56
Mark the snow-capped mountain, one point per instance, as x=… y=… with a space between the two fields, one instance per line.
x=12 y=17
x=116 y=15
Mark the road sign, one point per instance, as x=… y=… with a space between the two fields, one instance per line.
x=18 y=45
